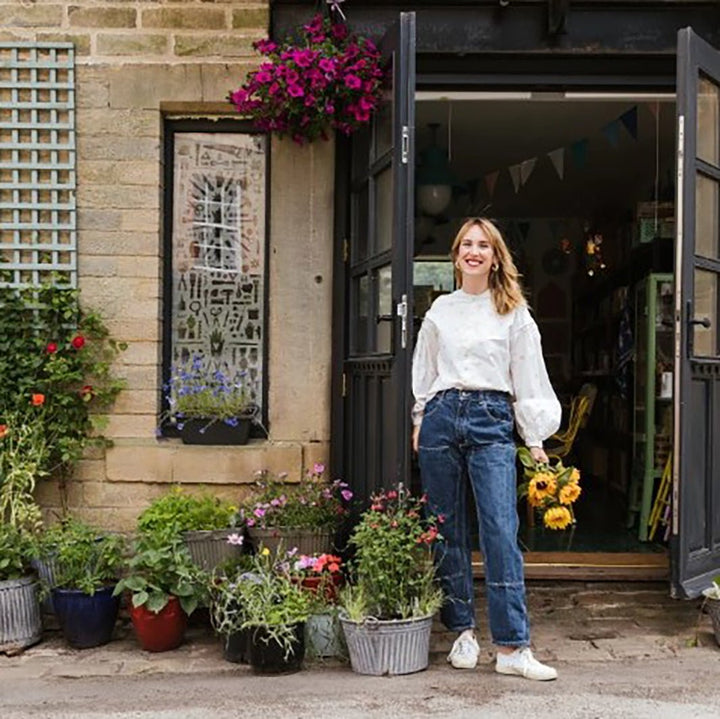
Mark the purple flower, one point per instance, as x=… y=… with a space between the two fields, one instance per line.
x=259 y=512
x=295 y=90
x=235 y=539
x=318 y=468
x=250 y=522
x=346 y=494
x=264 y=77
x=327 y=65
x=353 y=81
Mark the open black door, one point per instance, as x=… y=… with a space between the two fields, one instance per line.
x=696 y=446
x=378 y=269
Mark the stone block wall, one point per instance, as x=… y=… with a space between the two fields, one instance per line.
x=138 y=63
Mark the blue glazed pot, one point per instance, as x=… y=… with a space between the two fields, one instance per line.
x=86 y=621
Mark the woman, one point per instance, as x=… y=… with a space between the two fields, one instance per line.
x=477 y=370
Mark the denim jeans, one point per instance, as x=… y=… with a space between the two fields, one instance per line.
x=469 y=435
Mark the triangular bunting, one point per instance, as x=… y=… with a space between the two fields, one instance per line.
x=579 y=153
x=629 y=119
x=526 y=168
x=491 y=181
x=558 y=161
x=612 y=133
x=514 y=171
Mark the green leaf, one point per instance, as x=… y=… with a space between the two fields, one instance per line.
x=140 y=598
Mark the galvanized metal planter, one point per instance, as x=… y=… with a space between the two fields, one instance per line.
x=307 y=541
x=394 y=646
x=209 y=547
x=20 y=624
x=712 y=606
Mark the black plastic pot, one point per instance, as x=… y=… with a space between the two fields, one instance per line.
x=236 y=648
x=207 y=431
x=267 y=656
x=86 y=620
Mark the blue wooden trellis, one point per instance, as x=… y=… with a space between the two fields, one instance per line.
x=38 y=237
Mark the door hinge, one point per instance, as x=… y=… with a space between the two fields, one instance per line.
x=405 y=147
x=346 y=250
x=344 y=385
x=402 y=311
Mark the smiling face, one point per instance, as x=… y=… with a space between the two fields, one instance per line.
x=475 y=255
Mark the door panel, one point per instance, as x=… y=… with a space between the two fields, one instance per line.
x=695 y=541
x=379 y=280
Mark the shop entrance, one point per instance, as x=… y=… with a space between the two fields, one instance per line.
x=582 y=185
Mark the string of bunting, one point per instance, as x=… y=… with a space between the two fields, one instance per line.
x=520 y=172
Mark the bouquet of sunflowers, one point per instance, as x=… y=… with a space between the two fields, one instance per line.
x=551 y=489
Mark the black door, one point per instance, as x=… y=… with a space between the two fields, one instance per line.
x=696 y=467
x=378 y=269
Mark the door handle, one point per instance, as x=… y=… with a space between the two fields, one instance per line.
x=691 y=322
x=704 y=322
x=383 y=318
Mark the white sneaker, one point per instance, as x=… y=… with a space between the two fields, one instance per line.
x=522 y=663
x=464 y=653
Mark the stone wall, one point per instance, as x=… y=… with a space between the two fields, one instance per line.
x=137 y=63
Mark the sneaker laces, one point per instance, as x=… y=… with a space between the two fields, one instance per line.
x=465 y=647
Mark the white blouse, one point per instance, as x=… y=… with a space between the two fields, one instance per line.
x=465 y=344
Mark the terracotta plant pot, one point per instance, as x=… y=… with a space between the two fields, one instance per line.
x=330 y=583
x=162 y=631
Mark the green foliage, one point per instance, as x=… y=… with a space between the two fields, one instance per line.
x=263 y=594
x=15 y=553
x=55 y=361
x=313 y=503
x=157 y=571
x=393 y=567
x=177 y=512
x=85 y=558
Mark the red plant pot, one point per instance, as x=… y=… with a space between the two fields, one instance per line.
x=162 y=631
x=331 y=584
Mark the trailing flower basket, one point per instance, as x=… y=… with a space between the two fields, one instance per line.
x=307 y=541
x=393 y=646
x=209 y=547
x=20 y=624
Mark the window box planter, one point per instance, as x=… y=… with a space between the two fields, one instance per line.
x=208 y=431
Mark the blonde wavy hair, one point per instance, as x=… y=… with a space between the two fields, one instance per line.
x=504 y=282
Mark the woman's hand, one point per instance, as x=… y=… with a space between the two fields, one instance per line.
x=415 y=437
x=538 y=454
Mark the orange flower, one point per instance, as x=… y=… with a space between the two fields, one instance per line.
x=3 y=430
x=37 y=400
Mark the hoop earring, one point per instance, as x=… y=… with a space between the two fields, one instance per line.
x=495 y=267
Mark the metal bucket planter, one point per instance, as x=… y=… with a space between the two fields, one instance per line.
x=323 y=636
x=307 y=541
x=394 y=646
x=20 y=624
x=209 y=547
x=712 y=606
x=46 y=570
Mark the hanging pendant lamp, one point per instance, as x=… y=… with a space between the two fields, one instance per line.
x=434 y=179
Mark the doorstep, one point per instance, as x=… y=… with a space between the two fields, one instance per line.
x=571 y=622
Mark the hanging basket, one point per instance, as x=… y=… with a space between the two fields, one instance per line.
x=307 y=541
x=210 y=547
x=20 y=624
x=393 y=646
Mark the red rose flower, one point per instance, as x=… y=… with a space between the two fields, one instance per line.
x=51 y=348
x=37 y=400
x=78 y=342
x=87 y=392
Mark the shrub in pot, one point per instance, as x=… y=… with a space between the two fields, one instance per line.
x=387 y=612
x=304 y=515
x=87 y=563
x=20 y=624
x=203 y=522
x=263 y=600
x=165 y=587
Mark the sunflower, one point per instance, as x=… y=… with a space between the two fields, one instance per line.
x=557 y=518
x=569 y=493
x=541 y=485
x=575 y=475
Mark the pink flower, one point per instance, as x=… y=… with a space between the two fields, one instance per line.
x=346 y=494
x=265 y=46
x=295 y=90
x=235 y=539
x=259 y=512
x=264 y=77
x=239 y=96
x=318 y=468
x=353 y=81
x=329 y=108
x=327 y=65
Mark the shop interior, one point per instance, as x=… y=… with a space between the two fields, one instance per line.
x=582 y=186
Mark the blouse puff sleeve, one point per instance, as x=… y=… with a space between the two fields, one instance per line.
x=537 y=410
x=424 y=367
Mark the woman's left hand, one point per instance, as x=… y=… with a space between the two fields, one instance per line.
x=538 y=454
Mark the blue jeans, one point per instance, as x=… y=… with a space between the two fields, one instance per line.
x=469 y=434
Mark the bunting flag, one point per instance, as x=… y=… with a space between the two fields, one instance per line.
x=491 y=181
x=526 y=168
x=630 y=120
x=612 y=133
x=579 y=153
x=558 y=160
x=514 y=171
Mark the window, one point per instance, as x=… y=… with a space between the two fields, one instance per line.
x=215 y=235
x=37 y=164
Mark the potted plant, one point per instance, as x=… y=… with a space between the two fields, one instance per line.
x=322 y=577
x=165 y=587
x=20 y=624
x=322 y=79
x=302 y=516
x=387 y=613
x=209 y=404
x=87 y=563
x=203 y=522
x=712 y=606
x=264 y=601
